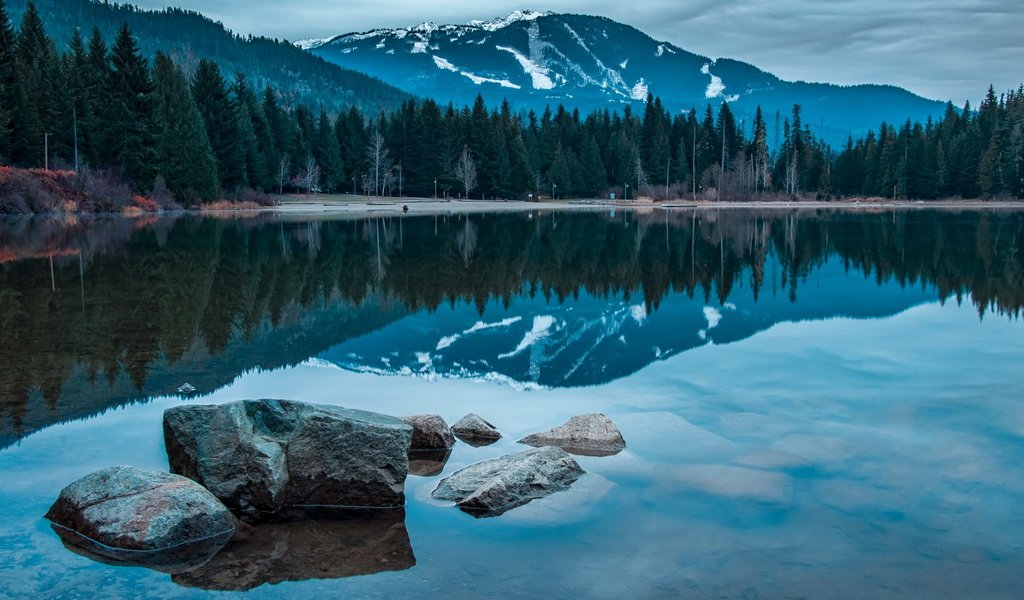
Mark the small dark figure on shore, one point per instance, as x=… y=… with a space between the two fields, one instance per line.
x=405 y=208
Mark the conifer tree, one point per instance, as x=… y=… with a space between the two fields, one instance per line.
x=184 y=157
x=8 y=83
x=128 y=118
x=220 y=117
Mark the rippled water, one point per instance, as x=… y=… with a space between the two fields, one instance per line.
x=817 y=405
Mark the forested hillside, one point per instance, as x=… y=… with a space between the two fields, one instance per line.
x=187 y=36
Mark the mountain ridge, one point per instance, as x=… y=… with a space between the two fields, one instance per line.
x=540 y=59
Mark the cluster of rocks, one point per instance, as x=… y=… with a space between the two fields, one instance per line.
x=250 y=477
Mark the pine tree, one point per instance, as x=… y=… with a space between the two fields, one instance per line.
x=128 y=116
x=327 y=153
x=35 y=66
x=220 y=117
x=8 y=83
x=184 y=157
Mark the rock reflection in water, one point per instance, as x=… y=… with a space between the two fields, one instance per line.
x=300 y=545
x=427 y=463
x=175 y=560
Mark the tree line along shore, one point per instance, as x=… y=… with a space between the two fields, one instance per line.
x=100 y=128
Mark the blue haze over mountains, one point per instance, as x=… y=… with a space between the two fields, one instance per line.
x=541 y=59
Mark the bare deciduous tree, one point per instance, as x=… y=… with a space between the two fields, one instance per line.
x=378 y=156
x=465 y=170
x=311 y=175
x=282 y=171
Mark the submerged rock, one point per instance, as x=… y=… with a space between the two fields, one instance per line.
x=590 y=435
x=268 y=455
x=475 y=431
x=492 y=487
x=429 y=432
x=128 y=515
x=308 y=545
x=427 y=463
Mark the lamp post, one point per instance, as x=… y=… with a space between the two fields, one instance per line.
x=435 y=188
x=626 y=188
x=46 y=151
x=553 y=186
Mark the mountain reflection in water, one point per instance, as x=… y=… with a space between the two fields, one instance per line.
x=100 y=313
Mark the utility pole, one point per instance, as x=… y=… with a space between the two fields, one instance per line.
x=46 y=151
x=74 y=119
x=668 y=170
x=721 y=172
x=693 y=155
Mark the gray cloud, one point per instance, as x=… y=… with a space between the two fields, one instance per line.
x=945 y=49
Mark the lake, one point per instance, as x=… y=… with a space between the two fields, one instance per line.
x=816 y=404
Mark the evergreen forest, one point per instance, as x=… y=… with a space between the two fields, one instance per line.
x=197 y=133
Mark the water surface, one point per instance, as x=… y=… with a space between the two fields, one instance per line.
x=815 y=404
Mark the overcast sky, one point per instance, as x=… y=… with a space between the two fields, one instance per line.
x=943 y=49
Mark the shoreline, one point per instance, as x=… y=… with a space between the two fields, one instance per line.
x=363 y=205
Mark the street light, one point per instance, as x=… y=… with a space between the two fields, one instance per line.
x=626 y=195
x=435 y=188
x=553 y=186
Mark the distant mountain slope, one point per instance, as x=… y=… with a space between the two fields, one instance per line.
x=538 y=59
x=188 y=36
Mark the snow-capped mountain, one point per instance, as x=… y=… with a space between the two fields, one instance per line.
x=537 y=59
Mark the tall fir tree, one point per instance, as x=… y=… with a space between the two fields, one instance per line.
x=130 y=140
x=220 y=117
x=184 y=156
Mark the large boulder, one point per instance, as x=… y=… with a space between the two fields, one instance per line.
x=128 y=515
x=296 y=546
x=492 y=487
x=590 y=435
x=268 y=455
x=429 y=432
x=475 y=431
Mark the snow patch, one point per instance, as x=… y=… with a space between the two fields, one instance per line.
x=624 y=64
x=638 y=312
x=478 y=326
x=513 y=17
x=716 y=88
x=313 y=43
x=319 y=363
x=446 y=65
x=713 y=315
x=541 y=328
x=539 y=74
x=639 y=91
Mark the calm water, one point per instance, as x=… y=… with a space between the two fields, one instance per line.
x=817 y=405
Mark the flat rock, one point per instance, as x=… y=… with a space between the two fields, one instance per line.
x=128 y=515
x=591 y=435
x=302 y=545
x=492 y=487
x=269 y=455
x=429 y=432
x=475 y=431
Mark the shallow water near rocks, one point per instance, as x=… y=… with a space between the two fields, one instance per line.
x=815 y=404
